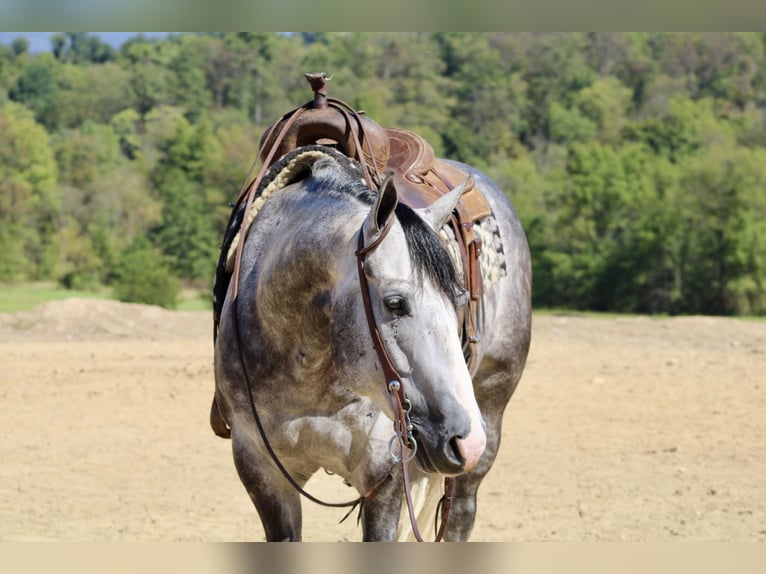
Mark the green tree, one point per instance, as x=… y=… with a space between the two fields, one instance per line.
x=633 y=158
x=607 y=103
x=29 y=197
x=567 y=126
x=36 y=88
x=268 y=75
x=106 y=202
x=556 y=69
x=91 y=93
x=191 y=65
x=722 y=65
x=682 y=127
x=20 y=46
x=151 y=81
x=81 y=47
x=142 y=276
x=125 y=126
x=186 y=233
x=7 y=71
x=411 y=84
x=486 y=115
x=84 y=154
x=601 y=236
x=725 y=266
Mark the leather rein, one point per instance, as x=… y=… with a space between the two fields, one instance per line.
x=401 y=405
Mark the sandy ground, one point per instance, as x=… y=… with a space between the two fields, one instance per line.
x=631 y=429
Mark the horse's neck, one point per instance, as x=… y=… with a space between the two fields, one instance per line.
x=306 y=244
x=297 y=268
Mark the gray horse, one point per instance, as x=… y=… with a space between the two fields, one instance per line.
x=294 y=354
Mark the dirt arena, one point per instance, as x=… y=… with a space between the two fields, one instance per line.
x=629 y=429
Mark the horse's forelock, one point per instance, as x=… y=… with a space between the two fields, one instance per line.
x=428 y=254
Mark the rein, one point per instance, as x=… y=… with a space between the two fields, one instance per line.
x=248 y=197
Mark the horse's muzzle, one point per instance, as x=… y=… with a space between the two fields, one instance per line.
x=452 y=456
x=471 y=448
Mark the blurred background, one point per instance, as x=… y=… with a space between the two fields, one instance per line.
x=636 y=160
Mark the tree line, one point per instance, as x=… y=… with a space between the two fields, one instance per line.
x=637 y=161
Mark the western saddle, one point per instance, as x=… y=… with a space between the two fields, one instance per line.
x=419 y=176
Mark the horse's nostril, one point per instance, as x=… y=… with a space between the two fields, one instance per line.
x=457 y=456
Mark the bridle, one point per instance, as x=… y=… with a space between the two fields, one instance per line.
x=401 y=405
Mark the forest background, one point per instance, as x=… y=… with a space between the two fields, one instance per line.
x=637 y=161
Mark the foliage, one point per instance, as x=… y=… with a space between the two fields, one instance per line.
x=635 y=160
x=142 y=276
x=29 y=196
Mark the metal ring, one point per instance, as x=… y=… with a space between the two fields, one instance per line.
x=397 y=457
x=413 y=450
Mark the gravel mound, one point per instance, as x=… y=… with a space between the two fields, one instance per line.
x=97 y=319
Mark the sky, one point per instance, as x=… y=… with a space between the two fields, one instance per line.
x=40 y=41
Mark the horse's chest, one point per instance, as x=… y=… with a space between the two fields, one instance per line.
x=339 y=442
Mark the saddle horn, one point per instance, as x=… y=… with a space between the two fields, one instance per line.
x=328 y=121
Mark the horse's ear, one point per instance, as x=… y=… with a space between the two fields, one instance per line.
x=384 y=208
x=437 y=214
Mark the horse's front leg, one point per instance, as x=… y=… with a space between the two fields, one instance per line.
x=462 y=514
x=276 y=500
x=380 y=512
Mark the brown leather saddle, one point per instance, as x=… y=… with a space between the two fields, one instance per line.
x=419 y=176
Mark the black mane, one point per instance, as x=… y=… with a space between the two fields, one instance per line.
x=428 y=253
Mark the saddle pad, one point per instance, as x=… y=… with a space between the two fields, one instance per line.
x=491 y=256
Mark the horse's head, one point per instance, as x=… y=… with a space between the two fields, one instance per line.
x=414 y=295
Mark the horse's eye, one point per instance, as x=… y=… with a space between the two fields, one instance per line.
x=396 y=304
